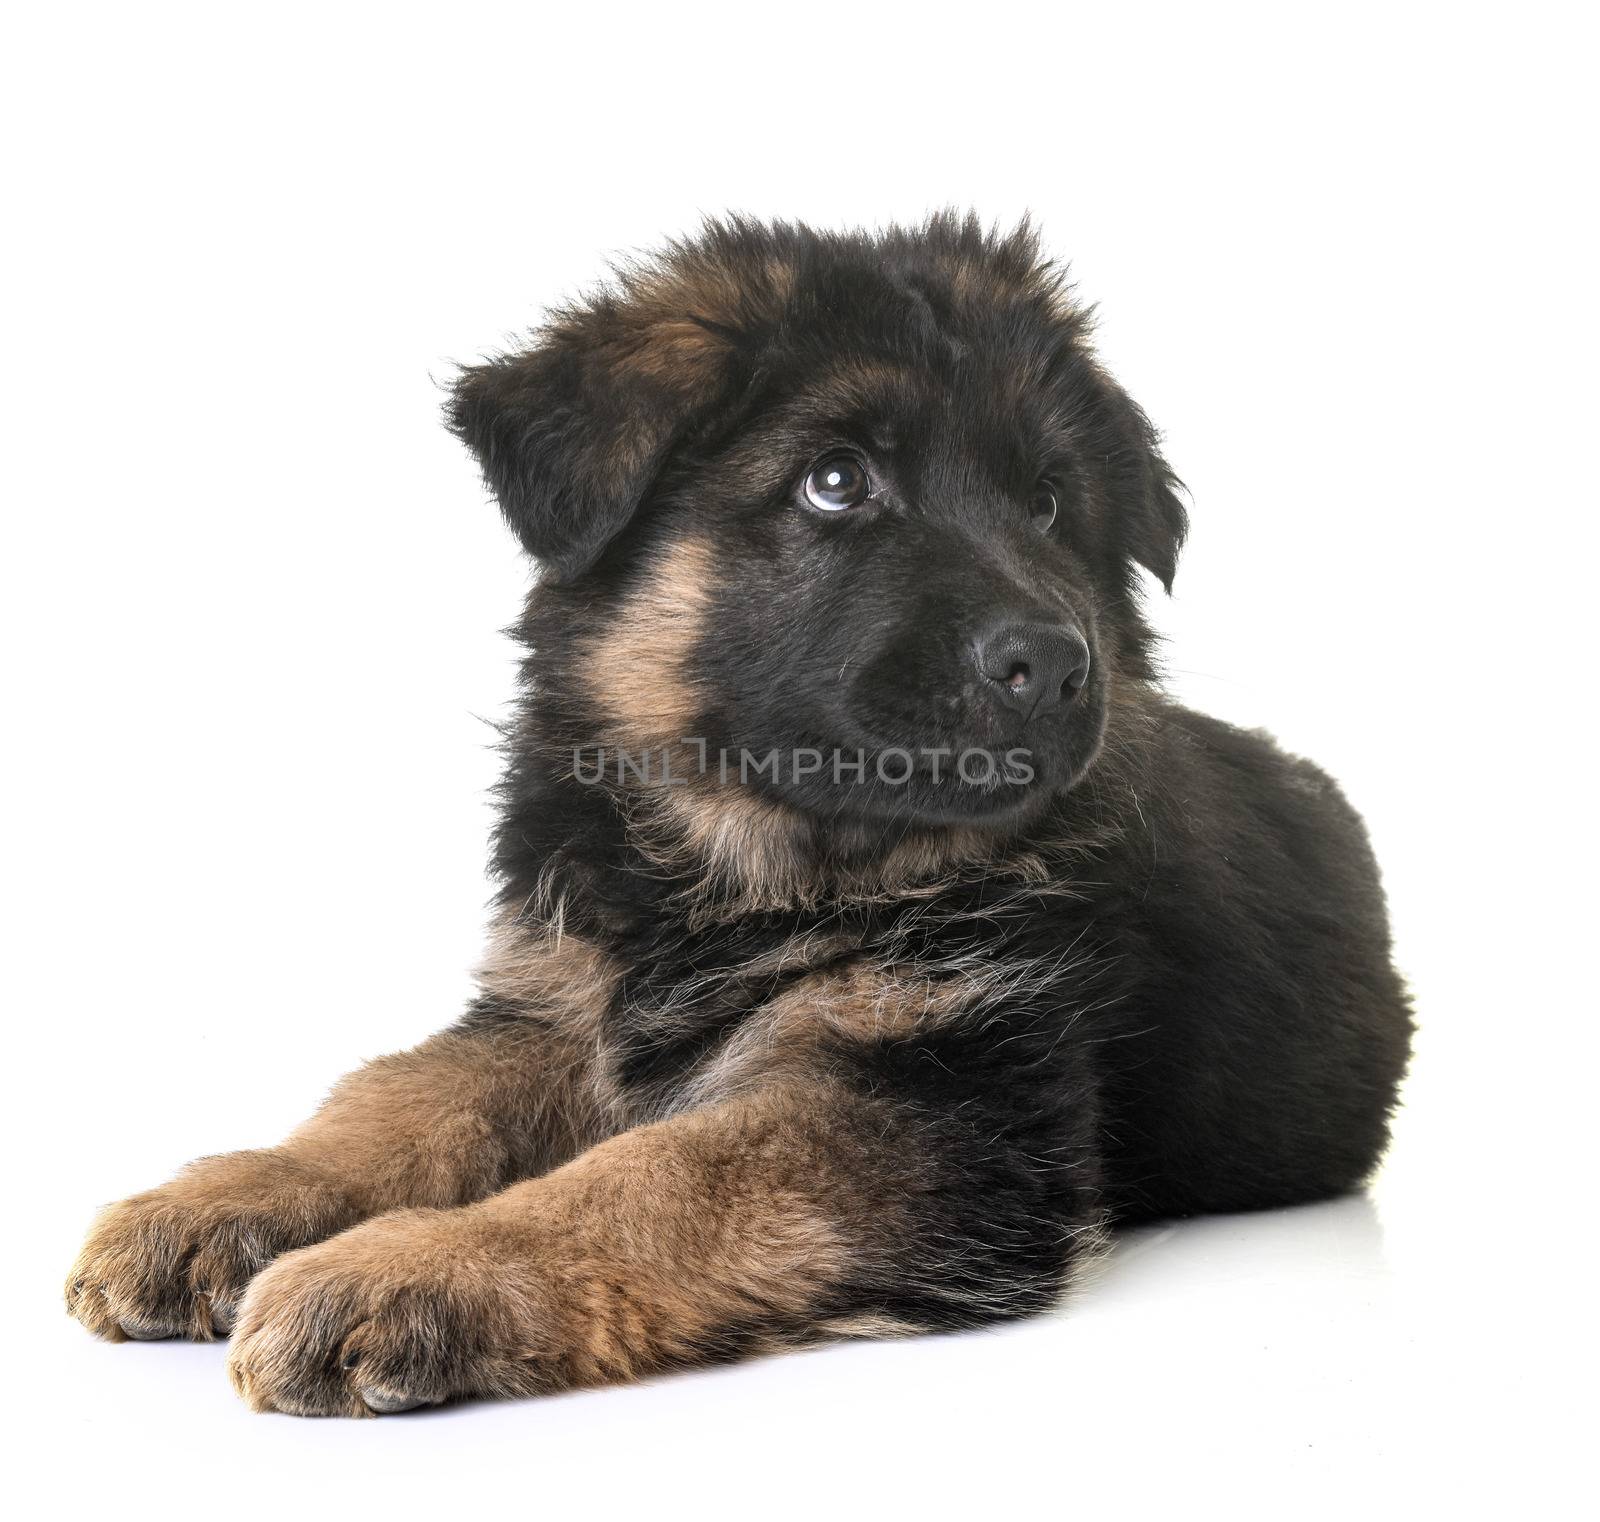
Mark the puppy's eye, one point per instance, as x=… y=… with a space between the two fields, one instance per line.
x=838 y=482
x=1044 y=507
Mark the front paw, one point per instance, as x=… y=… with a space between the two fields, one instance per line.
x=174 y=1262
x=408 y=1310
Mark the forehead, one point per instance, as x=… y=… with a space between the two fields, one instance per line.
x=1003 y=400
x=946 y=344
x=926 y=334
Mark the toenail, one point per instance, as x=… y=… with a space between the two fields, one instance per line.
x=386 y=1404
x=144 y=1331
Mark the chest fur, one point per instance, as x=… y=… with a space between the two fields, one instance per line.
x=674 y=1021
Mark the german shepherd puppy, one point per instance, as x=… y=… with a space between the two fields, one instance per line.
x=873 y=933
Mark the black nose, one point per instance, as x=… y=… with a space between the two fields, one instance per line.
x=1033 y=668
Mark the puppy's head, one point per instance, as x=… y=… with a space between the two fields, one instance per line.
x=863 y=503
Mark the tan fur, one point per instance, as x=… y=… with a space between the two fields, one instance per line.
x=738 y=299
x=670 y=1234
x=449 y=1122
x=637 y=671
x=637 y=1256
x=866 y=999
x=672 y=328
x=564 y=984
x=173 y=1262
x=870 y=1326
x=677 y=350
x=747 y=854
x=533 y=961
x=406 y=1310
x=749 y=846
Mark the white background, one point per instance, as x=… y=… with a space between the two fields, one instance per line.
x=251 y=601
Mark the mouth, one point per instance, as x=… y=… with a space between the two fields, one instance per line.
x=878 y=776
x=985 y=767
x=936 y=783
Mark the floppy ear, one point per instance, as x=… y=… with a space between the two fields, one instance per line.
x=572 y=432
x=1157 y=530
x=1151 y=518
